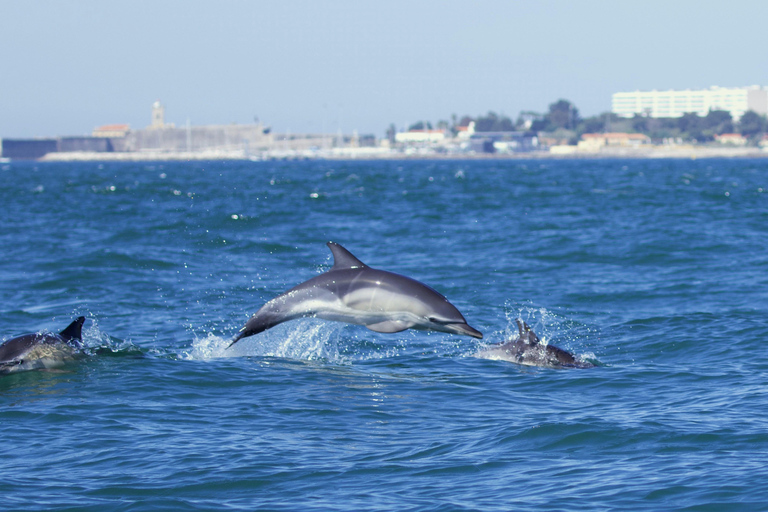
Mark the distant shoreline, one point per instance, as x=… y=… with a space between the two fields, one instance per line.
x=680 y=152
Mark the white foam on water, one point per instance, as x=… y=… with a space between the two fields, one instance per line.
x=545 y=323
x=310 y=339
x=95 y=339
x=305 y=339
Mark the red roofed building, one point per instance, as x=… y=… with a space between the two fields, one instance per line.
x=112 y=130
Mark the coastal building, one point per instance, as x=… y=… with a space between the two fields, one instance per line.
x=415 y=136
x=731 y=139
x=112 y=130
x=158 y=139
x=675 y=103
x=616 y=143
x=503 y=142
x=230 y=137
x=592 y=142
x=465 y=132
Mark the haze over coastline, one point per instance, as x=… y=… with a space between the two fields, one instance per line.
x=307 y=67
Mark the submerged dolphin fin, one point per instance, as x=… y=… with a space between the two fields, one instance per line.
x=526 y=333
x=390 y=326
x=73 y=330
x=342 y=258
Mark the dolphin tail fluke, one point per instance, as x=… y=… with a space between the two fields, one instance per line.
x=264 y=319
x=74 y=330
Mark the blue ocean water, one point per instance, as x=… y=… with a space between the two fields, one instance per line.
x=655 y=269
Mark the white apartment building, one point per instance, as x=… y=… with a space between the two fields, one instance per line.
x=420 y=136
x=735 y=100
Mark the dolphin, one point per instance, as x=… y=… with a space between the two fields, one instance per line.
x=41 y=349
x=355 y=293
x=528 y=350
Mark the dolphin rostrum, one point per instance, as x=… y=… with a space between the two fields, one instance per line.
x=528 y=350
x=41 y=350
x=355 y=293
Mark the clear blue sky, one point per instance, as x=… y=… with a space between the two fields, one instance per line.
x=69 y=66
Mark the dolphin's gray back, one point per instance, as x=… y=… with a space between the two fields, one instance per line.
x=17 y=347
x=347 y=282
x=41 y=345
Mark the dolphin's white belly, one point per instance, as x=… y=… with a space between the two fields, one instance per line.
x=363 y=307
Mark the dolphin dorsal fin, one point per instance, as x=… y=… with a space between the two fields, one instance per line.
x=526 y=333
x=73 y=330
x=343 y=259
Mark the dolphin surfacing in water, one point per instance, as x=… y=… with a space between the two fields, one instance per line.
x=528 y=350
x=355 y=293
x=41 y=350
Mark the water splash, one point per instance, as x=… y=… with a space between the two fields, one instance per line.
x=97 y=341
x=311 y=339
x=305 y=339
x=547 y=325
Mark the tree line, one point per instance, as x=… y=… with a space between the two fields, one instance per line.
x=562 y=120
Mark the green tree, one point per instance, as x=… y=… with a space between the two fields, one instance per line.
x=718 y=122
x=391 y=131
x=563 y=114
x=662 y=127
x=752 y=124
x=594 y=124
x=542 y=125
x=640 y=124
x=604 y=122
x=492 y=122
x=465 y=120
x=420 y=125
x=691 y=126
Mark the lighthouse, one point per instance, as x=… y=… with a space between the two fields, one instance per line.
x=158 y=115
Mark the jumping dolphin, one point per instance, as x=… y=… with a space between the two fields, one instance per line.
x=355 y=293
x=41 y=350
x=528 y=350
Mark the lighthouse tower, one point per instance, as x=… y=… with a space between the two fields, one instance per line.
x=158 y=115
